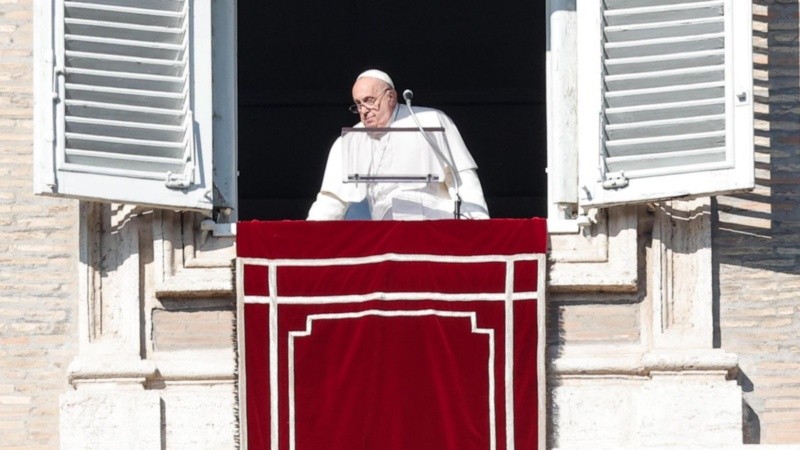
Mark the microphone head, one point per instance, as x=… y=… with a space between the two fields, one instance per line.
x=408 y=95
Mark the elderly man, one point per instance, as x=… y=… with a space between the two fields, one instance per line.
x=375 y=101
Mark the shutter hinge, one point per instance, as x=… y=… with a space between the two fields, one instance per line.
x=178 y=180
x=615 y=180
x=58 y=74
x=53 y=137
x=186 y=179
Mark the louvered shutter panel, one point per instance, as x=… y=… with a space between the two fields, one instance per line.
x=672 y=87
x=127 y=101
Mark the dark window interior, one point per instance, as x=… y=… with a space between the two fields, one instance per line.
x=480 y=62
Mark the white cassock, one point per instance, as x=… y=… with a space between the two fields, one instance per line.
x=405 y=201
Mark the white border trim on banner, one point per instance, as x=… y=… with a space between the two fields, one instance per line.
x=383 y=313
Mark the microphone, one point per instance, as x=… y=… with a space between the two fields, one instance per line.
x=447 y=163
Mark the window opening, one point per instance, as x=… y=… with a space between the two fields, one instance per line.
x=481 y=63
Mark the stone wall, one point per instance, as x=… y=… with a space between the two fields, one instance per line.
x=757 y=239
x=38 y=259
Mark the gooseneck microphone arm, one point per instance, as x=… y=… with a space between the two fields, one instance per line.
x=448 y=163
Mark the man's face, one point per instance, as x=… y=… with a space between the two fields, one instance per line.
x=376 y=101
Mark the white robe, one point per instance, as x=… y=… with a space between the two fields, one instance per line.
x=405 y=201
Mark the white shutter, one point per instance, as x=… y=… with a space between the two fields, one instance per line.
x=665 y=107
x=131 y=103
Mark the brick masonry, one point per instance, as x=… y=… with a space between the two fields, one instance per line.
x=38 y=259
x=193 y=324
x=757 y=239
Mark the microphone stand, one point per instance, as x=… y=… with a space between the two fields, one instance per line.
x=448 y=163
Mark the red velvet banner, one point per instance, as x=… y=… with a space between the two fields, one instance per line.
x=392 y=335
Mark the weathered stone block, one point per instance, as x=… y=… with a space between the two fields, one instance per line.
x=113 y=419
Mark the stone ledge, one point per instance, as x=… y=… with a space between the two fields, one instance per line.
x=109 y=371
x=691 y=360
x=672 y=361
x=193 y=283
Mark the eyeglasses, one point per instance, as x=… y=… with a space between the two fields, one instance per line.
x=368 y=103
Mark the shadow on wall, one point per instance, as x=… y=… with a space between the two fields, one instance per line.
x=756 y=239
x=761 y=229
x=751 y=425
